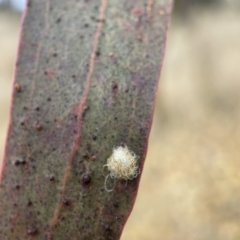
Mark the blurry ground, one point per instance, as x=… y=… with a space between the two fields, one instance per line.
x=190 y=187
x=9 y=31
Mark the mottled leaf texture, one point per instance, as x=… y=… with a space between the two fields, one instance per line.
x=85 y=81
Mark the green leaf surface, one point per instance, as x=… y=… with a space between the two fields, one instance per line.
x=85 y=82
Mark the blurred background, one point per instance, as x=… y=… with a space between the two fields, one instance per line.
x=190 y=187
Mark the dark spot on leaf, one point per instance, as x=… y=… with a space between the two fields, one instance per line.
x=19 y=161
x=17 y=87
x=94 y=138
x=65 y=201
x=49 y=99
x=80 y=161
x=107 y=227
x=29 y=203
x=116 y=204
x=86 y=25
x=51 y=177
x=38 y=126
x=49 y=73
x=23 y=121
x=98 y=53
x=86 y=155
x=86 y=179
x=33 y=167
x=55 y=54
x=32 y=231
x=37 y=108
x=17 y=186
x=114 y=85
x=58 y=20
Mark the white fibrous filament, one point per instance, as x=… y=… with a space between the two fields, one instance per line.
x=122 y=164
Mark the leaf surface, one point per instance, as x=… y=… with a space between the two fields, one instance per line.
x=86 y=77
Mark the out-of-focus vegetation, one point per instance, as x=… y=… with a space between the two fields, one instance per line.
x=17 y=5
x=191 y=180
